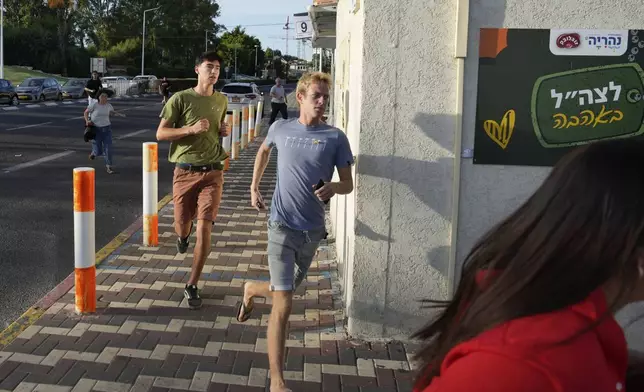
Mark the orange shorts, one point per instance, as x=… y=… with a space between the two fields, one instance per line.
x=196 y=194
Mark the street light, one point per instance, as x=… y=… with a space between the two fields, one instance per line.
x=256 y=46
x=209 y=31
x=235 y=47
x=143 y=42
x=1 y=39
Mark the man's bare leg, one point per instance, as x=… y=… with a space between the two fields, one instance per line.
x=182 y=229
x=202 y=249
x=276 y=335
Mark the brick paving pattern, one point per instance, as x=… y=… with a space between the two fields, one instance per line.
x=144 y=338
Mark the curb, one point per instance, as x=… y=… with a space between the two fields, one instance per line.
x=39 y=308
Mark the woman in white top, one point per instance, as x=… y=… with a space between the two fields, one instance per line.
x=98 y=114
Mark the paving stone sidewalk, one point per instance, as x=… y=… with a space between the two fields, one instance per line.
x=144 y=338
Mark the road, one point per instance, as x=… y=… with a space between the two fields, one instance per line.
x=39 y=147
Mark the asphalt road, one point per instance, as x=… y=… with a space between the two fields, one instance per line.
x=36 y=201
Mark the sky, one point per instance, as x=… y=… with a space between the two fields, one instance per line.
x=254 y=12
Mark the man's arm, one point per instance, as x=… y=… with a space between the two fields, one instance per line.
x=261 y=161
x=342 y=187
x=165 y=131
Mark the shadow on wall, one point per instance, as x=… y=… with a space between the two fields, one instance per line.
x=371 y=313
x=427 y=179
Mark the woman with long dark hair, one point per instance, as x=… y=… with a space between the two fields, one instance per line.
x=533 y=311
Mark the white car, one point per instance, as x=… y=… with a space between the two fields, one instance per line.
x=236 y=92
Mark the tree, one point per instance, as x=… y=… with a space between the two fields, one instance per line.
x=237 y=41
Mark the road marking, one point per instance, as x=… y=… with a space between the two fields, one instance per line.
x=32 y=106
x=28 y=126
x=75 y=118
x=10 y=108
x=68 y=103
x=37 y=161
x=51 y=104
x=133 y=134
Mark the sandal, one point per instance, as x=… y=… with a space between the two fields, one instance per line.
x=244 y=311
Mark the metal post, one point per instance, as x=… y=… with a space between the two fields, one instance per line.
x=256 y=49
x=143 y=47
x=143 y=42
x=1 y=39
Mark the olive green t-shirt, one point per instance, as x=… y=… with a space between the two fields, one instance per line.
x=187 y=107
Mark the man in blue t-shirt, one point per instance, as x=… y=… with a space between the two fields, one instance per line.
x=308 y=153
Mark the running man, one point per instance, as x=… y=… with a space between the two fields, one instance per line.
x=193 y=121
x=278 y=101
x=308 y=152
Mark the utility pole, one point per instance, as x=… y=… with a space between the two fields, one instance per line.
x=143 y=42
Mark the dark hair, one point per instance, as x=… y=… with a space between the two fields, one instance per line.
x=208 y=56
x=581 y=228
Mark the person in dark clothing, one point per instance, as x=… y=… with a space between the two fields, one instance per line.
x=164 y=89
x=93 y=88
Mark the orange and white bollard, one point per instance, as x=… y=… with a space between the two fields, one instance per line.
x=244 y=127
x=227 y=141
x=258 y=120
x=84 y=239
x=236 y=136
x=251 y=123
x=150 y=194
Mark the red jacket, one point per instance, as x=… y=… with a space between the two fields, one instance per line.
x=519 y=356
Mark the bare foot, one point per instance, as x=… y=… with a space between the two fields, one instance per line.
x=280 y=388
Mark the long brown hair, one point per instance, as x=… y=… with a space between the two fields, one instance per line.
x=581 y=228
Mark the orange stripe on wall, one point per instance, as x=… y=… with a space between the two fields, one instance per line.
x=85 y=281
x=84 y=191
x=492 y=42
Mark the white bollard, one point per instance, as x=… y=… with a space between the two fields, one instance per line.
x=84 y=240
x=150 y=194
x=227 y=141
x=236 y=136
x=244 y=127
x=251 y=123
x=258 y=120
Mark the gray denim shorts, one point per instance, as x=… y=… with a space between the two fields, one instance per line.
x=290 y=253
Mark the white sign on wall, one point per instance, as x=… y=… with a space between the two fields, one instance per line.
x=303 y=27
x=580 y=42
x=98 y=64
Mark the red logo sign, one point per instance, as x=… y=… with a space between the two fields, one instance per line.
x=568 y=41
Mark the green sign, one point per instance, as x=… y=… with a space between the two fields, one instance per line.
x=583 y=105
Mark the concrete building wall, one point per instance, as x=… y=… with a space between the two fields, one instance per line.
x=394 y=231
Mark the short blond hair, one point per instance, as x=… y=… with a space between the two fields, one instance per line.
x=312 y=77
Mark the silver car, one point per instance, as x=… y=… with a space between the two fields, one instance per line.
x=74 y=88
x=39 y=89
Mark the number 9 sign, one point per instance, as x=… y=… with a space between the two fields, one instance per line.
x=302 y=27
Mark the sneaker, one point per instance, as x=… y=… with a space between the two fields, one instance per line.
x=192 y=295
x=110 y=170
x=182 y=243
x=92 y=157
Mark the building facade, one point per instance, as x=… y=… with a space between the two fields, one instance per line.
x=406 y=80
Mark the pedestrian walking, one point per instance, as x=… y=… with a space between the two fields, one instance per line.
x=308 y=153
x=193 y=121
x=98 y=115
x=278 y=101
x=93 y=88
x=164 y=89
x=533 y=311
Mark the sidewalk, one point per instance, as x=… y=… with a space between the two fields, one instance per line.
x=144 y=338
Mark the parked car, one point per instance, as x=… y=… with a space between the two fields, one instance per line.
x=8 y=93
x=74 y=88
x=39 y=89
x=236 y=92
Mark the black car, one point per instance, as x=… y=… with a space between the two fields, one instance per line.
x=8 y=93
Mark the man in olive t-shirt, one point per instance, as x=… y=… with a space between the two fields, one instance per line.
x=193 y=121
